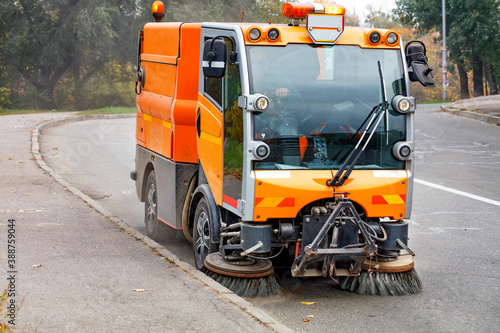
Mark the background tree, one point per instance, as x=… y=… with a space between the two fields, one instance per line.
x=472 y=34
x=42 y=41
x=376 y=18
x=79 y=54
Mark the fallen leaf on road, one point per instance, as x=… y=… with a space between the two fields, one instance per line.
x=305 y=320
x=139 y=290
x=28 y=193
x=315 y=309
x=310 y=316
x=308 y=303
x=35 y=266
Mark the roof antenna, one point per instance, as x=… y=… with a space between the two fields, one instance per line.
x=242 y=15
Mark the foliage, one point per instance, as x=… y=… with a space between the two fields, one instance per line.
x=352 y=19
x=44 y=41
x=225 y=10
x=71 y=54
x=472 y=32
x=5 y=98
x=108 y=110
x=4 y=328
x=376 y=18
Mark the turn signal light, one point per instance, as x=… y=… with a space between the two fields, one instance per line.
x=335 y=10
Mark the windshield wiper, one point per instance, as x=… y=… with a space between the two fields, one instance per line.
x=382 y=110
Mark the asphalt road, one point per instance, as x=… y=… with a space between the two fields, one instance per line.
x=453 y=229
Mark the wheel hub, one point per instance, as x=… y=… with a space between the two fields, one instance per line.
x=239 y=268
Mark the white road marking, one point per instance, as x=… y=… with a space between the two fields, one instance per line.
x=451 y=190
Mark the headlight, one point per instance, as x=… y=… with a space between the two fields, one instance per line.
x=261 y=151
x=392 y=38
x=262 y=103
x=375 y=37
x=254 y=34
x=402 y=150
x=273 y=34
x=403 y=104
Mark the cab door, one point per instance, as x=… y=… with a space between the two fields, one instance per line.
x=233 y=139
x=220 y=128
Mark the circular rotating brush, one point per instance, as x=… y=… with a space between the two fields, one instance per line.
x=384 y=278
x=246 y=278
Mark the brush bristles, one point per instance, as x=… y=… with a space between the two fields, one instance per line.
x=249 y=287
x=383 y=284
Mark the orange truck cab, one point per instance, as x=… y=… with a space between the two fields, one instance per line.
x=291 y=142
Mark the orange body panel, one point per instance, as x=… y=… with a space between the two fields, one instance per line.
x=167 y=105
x=162 y=39
x=209 y=145
x=186 y=95
x=281 y=194
x=139 y=132
x=160 y=78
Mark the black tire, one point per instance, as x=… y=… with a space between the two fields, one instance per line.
x=202 y=242
x=155 y=229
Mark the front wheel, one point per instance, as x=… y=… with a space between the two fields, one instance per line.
x=155 y=229
x=202 y=242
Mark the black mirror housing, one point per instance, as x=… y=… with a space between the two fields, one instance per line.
x=214 y=58
x=418 y=67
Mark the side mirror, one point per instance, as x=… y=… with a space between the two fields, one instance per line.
x=214 y=58
x=416 y=58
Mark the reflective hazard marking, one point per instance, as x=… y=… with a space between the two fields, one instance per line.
x=230 y=201
x=167 y=124
x=214 y=64
x=389 y=199
x=211 y=138
x=274 y=202
x=272 y=174
x=389 y=173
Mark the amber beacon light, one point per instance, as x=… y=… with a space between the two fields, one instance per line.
x=158 y=11
x=296 y=10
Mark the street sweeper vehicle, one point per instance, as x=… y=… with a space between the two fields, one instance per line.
x=274 y=146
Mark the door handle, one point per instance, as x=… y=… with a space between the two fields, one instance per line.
x=198 y=122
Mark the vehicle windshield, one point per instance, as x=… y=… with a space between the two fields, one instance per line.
x=320 y=98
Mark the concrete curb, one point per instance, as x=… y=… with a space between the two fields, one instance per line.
x=219 y=290
x=473 y=115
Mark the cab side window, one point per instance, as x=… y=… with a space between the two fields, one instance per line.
x=213 y=88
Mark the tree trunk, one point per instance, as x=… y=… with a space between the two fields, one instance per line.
x=79 y=102
x=464 y=80
x=477 y=76
x=45 y=89
x=49 y=103
x=492 y=82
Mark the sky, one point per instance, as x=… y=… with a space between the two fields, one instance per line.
x=360 y=5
